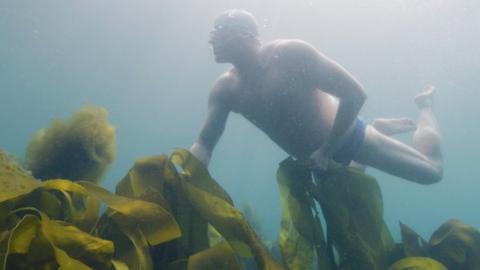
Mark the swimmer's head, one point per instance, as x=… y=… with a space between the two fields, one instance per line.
x=236 y=19
x=234 y=35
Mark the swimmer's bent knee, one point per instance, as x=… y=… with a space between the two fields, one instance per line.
x=431 y=177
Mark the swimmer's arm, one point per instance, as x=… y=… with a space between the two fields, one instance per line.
x=332 y=78
x=213 y=127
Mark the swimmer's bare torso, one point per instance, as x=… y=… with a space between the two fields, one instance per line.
x=282 y=97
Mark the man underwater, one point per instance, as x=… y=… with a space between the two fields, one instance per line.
x=308 y=105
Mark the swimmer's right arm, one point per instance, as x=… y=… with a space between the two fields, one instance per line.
x=213 y=127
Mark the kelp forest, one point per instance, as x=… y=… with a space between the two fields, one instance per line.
x=169 y=213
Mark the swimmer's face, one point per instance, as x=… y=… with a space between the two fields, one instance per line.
x=227 y=42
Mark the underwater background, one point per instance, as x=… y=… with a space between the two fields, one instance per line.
x=149 y=64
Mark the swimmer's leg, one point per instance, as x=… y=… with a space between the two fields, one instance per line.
x=392 y=126
x=421 y=163
x=389 y=127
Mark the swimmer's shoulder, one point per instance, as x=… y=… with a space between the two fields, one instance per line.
x=292 y=50
x=223 y=88
x=295 y=54
x=288 y=45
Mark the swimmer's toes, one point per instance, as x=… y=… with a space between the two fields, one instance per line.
x=425 y=97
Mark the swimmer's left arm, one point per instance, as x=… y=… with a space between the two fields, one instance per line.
x=328 y=76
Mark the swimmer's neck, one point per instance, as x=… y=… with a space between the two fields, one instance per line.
x=249 y=63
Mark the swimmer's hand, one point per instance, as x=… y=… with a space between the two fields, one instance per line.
x=319 y=160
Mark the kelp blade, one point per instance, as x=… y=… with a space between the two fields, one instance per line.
x=215 y=206
x=218 y=257
x=141 y=249
x=456 y=245
x=155 y=222
x=24 y=238
x=156 y=180
x=146 y=180
x=353 y=208
x=88 y=249
x=300 y=235
x=199 y=173
x=417 y=263
x=72 y=249
x=413 y=244
x=14 y=180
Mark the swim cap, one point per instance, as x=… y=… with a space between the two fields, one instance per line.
x=238 y=19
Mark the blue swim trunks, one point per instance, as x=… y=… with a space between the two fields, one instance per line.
x=347 y=152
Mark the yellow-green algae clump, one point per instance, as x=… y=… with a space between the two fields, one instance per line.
x=79 y=148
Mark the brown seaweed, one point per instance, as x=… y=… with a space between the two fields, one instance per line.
x=79 y=148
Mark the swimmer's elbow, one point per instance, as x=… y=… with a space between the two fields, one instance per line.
x=352 y=93
x=361 y=96
x=361 y=93
x=356 y=99
x=432 y=178
x=358 y=90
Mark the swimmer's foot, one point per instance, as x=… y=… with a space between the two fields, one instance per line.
x=391 y=126
x=424 y=99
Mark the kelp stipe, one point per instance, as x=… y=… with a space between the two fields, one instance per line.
x=300 y=233
x=353 y=209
